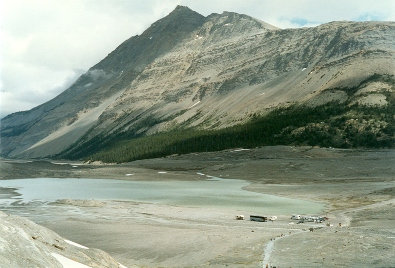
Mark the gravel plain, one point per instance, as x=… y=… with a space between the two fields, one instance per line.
x=357 y=187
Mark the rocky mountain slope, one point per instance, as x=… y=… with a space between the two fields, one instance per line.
x=26 y=244
x=190 y=71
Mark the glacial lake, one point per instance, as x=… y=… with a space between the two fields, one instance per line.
x=214 y=192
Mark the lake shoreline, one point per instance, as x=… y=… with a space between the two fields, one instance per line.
x=357 y=185
x=218 y=193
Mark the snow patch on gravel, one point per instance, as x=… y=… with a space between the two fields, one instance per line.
x=68 y=263
x=75 y=244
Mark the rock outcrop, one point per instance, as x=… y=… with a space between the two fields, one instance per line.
x=26 y=244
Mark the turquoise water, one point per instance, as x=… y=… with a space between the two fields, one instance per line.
x=216 y=193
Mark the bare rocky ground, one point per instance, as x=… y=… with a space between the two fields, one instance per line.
x=356 y=185
x=26 y=244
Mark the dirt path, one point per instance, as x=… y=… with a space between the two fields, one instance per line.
x=270 y=247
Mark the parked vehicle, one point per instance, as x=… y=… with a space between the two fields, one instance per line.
x=258 y=218
x=296 y=217
x=239 y=217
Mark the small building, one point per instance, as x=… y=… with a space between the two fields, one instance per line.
x=258 y=218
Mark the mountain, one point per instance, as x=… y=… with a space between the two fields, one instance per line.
x=200 y=75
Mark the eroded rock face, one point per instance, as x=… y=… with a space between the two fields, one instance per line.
x=211 y=72
x=26 y=244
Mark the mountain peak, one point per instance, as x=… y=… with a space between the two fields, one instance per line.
x=184 y=10
x=180 y=7
x=181 y=19
x=181 y=15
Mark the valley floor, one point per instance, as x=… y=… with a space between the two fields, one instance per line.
x=357 y=186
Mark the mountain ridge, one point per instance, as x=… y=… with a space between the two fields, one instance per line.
x=208 y=72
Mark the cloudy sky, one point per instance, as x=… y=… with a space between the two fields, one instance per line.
x=46 y=44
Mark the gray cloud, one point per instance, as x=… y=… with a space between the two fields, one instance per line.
x=46 y=44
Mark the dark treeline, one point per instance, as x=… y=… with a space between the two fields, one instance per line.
x=341 y=125
x=298 y=125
